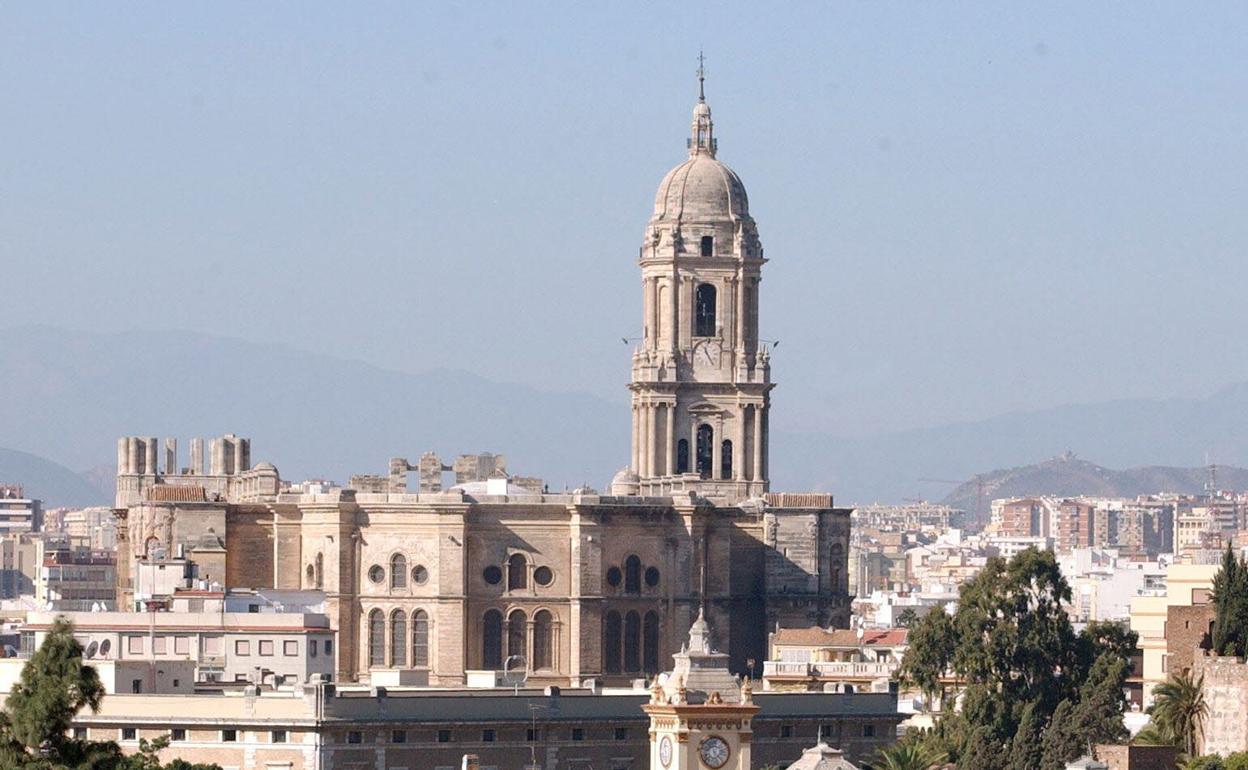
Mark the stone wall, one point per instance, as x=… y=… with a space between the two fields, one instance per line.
x=1187 y=632
x=1226 y=695
x=1119 y=757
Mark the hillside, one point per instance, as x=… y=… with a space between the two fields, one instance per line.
x=1067 y=475
x=45 y=480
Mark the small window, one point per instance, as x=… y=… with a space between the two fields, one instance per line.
x=377 y=573
x=229 y=736
x=312 y=645
x=578 y=733
x=614 y=577
x=136 y=686
x=543 y=576
x=254 y=609
x=398 y=736
x=786 y=731
x=290 y=648
x=80 y=733
x=487 y=735
x=517 y=572
x=266 y=646
x=652 y=576
x=708 y=245
x=621 y=733
x=329 y=646
x=277 y=736
x=444 y=736
x=355 y=736
x=128 y=733
x=134 y=645
x=160 y=645
x=242 y=647
x=868 y=731
x=398 y=571
x=177 y=683
x=532 y=735
x=492 y=574
x=177 y=734
x=420 y=575
x=182 y=645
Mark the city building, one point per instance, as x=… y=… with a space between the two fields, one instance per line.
x=76 y=579
x=21 y=558
x=834 y=660
x=1186 y=585
x=19 y=513
x=495 y=573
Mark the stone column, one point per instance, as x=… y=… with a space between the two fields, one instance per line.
x=742 y=311
x=758 y=444
x=151 y=450
x=197 y=456
x=717 y=454
x=132 y=450
x=123 y=456
x=635 y=465
x=652 y=465
x=673 y=310
x=646 y=432
x=738 y=449
x=171 y=456
x=671 y=438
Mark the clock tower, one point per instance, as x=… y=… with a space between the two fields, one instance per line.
x=701 y=377
x=700 y=715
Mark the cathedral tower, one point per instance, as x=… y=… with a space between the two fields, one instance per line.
x=700 y=377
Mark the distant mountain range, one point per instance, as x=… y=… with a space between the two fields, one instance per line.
x=46 y=480
x=1068 y=475
x=68 y=395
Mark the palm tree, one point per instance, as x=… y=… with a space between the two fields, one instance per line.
x=1179 y=710
x=905 y=756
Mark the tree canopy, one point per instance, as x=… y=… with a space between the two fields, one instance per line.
x=1033 y=692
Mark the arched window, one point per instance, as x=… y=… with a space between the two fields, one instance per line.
x=632 y=642
x=704 y=311
x=398 y=571
x=311 y=576
x=725 y=459
x=319 y=580
x=517 y=572
x=611 y=642
x=543 y=641
x=682 y=456
x=708 y=245
x=835 y=561
x=705 y=448
x=517 y=633
x=492 y=640
x=420 y=639
x=632 y=575
x=650 y=643
x=376 y=639
x=398 y=639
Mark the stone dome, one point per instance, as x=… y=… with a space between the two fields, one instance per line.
x=701 y=189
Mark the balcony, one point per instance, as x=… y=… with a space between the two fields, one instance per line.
x=832 y=671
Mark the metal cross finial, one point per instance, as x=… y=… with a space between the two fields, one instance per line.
x=701 y=77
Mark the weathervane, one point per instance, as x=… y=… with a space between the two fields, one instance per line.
x=701 y=77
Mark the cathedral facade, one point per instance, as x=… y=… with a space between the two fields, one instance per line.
x=497 y=575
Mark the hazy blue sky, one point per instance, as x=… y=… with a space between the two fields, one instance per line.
x=968 y=209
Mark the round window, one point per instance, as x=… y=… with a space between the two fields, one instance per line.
x=492 y=574
x=376 y=573
x=420 y=575
x=652 y=576
x=614 y=576
x=544 y=576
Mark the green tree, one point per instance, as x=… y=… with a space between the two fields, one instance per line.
x=55 y=685
x=907 y=618
x=905 y=756
x=1027 y=748
x=1211 y=762
x=1179 y=711
x=1230 y=601
x=932 y=643
x=1237 y=761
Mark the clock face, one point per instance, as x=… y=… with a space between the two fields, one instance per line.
x=714 y=752
x=665 y=751
x=706 y=354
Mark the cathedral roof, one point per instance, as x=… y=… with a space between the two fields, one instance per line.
x=702 y=188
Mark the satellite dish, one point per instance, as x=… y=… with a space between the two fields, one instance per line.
x=105 y=646
x=91 y=649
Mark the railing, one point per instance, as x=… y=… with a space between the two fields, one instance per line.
x=837 y=669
